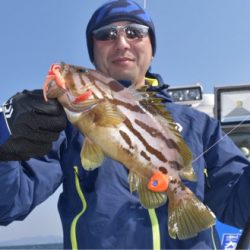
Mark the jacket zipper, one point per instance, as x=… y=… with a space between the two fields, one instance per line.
x=155 y=229
x=212 y=229
x=213 y=240
x=73 y=237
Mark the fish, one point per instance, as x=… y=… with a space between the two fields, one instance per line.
x=133 y=127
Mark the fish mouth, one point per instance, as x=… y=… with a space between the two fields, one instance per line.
x=54 y=83
x=55 y=86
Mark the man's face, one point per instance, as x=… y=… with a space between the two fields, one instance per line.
x=123 y=58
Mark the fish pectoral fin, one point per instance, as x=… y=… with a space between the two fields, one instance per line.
x=148 y=199
x=107 y=115
x=188 y=216
x=92 y=155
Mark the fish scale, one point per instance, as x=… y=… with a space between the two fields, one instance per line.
x=150 y=144
x=134 y=129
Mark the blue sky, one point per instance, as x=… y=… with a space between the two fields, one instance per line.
x=197 y=41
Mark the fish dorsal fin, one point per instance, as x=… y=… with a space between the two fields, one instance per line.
x=141 y=93
x=153 y=104
x=107 y=115
x=147 y=198
x=187 y=171
x=92 y=155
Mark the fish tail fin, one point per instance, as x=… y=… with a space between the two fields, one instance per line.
x=188 y=216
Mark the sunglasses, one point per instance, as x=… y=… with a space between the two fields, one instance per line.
x=110 y=32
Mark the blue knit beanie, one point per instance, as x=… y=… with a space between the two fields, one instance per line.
x=118 y=10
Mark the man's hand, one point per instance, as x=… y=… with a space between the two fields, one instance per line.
x=33 y=123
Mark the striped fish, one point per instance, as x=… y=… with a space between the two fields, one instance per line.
x=133 y=128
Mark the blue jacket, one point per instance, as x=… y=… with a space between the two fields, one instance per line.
x=97 y=209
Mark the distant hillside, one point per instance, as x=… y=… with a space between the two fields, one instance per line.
x=38 y=240
x=56 y=246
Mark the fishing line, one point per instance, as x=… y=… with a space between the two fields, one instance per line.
x=229 y=132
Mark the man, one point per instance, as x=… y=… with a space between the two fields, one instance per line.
x=96 y=208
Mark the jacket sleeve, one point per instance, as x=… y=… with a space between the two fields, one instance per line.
x=24 y=185
x=227 y=192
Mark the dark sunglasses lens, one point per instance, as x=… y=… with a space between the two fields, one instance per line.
x=106 y=34
x=133 y=33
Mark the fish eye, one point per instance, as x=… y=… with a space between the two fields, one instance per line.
x=65 y=68
x=82 y=70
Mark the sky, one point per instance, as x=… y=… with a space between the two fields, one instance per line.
x=206 y=42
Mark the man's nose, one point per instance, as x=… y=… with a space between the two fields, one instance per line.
x=121 y=41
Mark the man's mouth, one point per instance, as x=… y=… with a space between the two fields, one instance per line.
x=122 y=60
